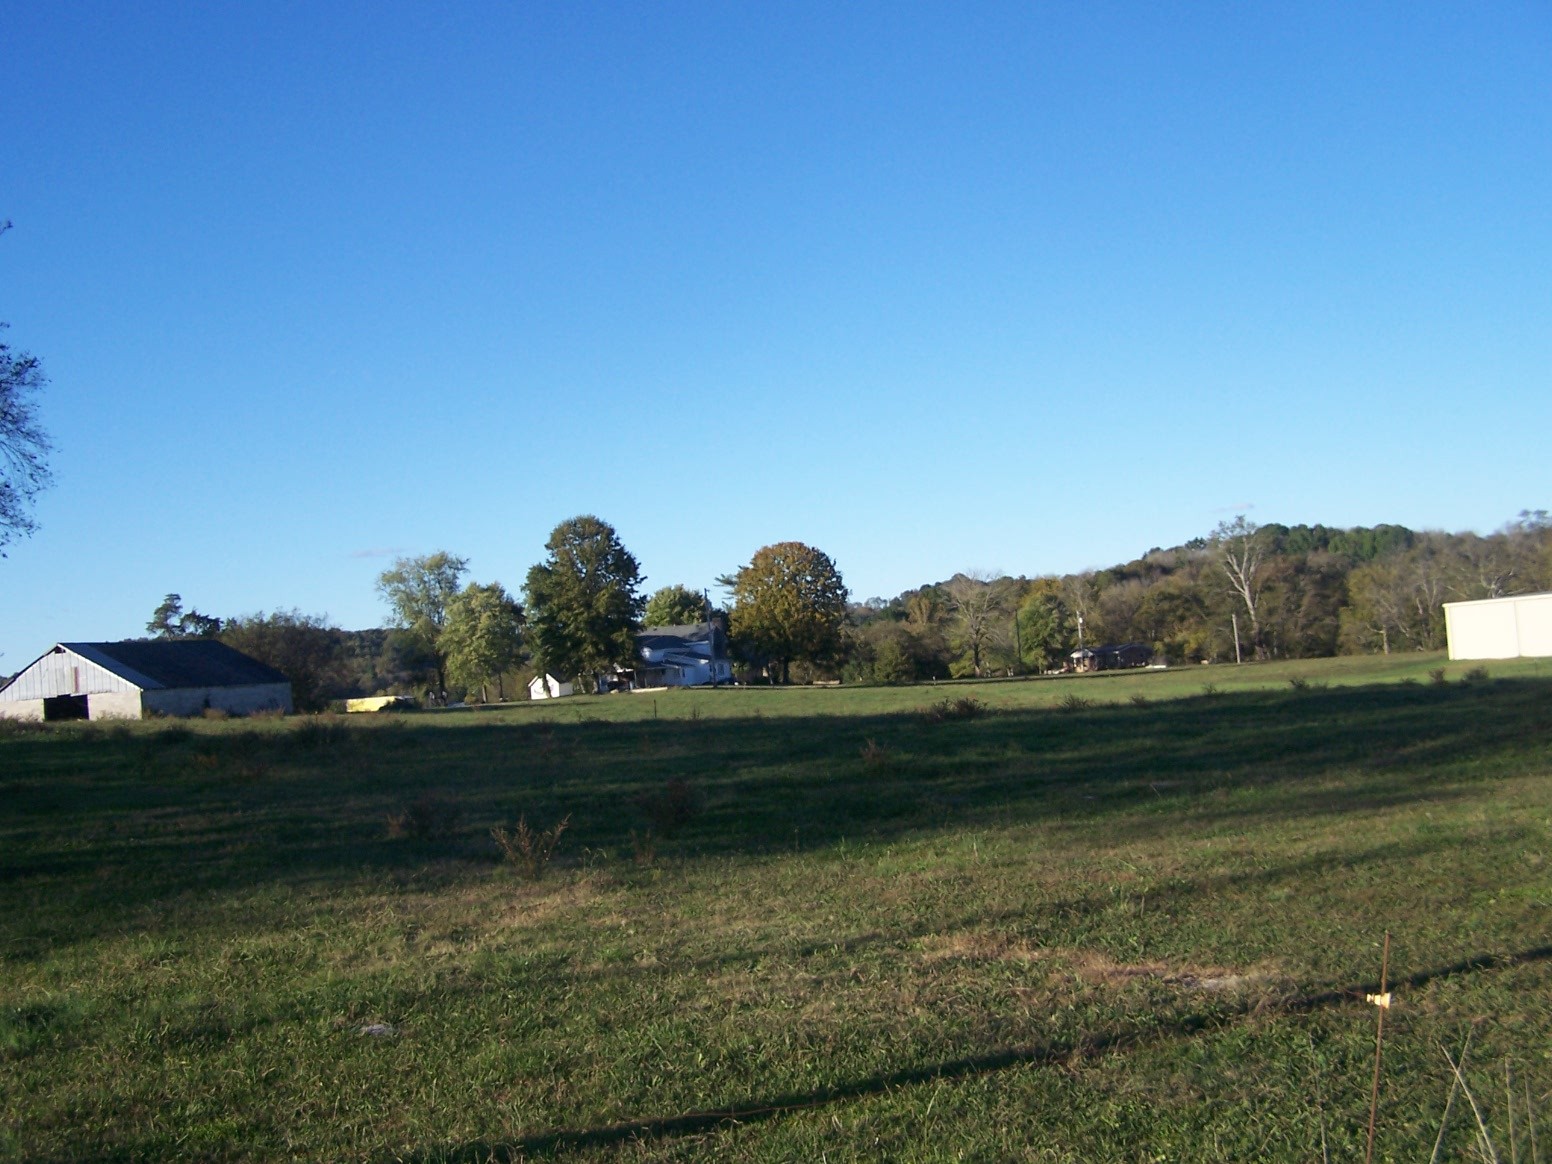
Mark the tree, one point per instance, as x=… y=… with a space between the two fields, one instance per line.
x=171 y=621
x=307 y=649
x=674 y=606
x=977 y=603
x=1039 y=621
x=1241 y=552
x=584 y=601
x=789 y=603
x=483 y=637
x=24 y=447
x=418 y=590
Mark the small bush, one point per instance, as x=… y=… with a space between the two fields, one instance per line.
x=965 y=707
x=216 y=713
x=319 y=731
x=1437 y=677
x=1475 y=675
x=875 y=756
x=1210 y=690
x=528 y=851
x=643 y=848
x=1138 y=699
x=670 y=808
x=428 y=818
x=1299 y=683
x=1072 y=701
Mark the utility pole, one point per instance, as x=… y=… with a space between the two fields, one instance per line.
x=1235 y=617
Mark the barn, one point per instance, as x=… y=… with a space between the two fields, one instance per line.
x=131 y=680
x=1500 y=628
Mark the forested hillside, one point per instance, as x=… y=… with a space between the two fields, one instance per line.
x=1294 y=591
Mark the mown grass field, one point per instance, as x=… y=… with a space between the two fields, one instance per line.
x=1135 y=930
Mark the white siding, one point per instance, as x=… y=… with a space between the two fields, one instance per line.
x=1500 y=628
x=64 y=673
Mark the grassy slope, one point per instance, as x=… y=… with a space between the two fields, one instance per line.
x=1114 y=933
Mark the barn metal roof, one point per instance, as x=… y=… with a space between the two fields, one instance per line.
x=155 y=663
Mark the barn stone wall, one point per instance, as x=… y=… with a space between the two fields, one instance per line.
x=233 y=700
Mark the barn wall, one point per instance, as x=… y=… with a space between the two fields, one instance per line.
x=64 y=673
x=1500 y=628
x=30 y=709
x=114 y=705
x=1535 y=619
x=235 y=700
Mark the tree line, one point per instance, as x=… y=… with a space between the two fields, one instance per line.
x=1242 y=591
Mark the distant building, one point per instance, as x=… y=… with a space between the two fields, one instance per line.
x=682 y=656
x=1500 y=628
x=131 y=680
x=546 y=686
x=1112 y=658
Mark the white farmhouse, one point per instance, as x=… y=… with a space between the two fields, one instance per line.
x=133 y=679
x=1500 y=628
x=682 y=656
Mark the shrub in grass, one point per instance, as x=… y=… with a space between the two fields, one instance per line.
x=1475 y=675
x=965 y=707
x=319 y=731
x=527 y=850
x=1072 y=701
x=428 y=818
x=670 y=808
x=21 y=727
x=1299 y=683
x=215 y=713
x=875 y=756
x=643 y=848
x=1210 y=689
x=1138 y=699
x=1437 y=677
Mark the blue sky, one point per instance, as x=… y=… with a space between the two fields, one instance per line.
x=1025 y=287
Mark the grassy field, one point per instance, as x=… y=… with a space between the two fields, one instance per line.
x=1112 y=918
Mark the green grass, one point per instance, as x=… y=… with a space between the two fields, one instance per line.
x=1128 y=931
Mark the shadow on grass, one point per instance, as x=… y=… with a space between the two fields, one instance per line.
x=1048 y=1054
x=102 y=826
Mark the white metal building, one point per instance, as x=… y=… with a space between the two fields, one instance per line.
x=546 y=686
x=1500 y=628
x=132 y=679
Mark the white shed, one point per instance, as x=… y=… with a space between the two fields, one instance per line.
x=132 y=679
x=546 y=686
x=1500 y=628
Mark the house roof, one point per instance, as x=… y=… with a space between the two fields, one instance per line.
x=163 y=663
x=666 y=638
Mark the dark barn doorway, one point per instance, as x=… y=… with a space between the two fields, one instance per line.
x=65 y=707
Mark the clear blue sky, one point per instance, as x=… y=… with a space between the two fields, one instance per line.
x=1025 y=287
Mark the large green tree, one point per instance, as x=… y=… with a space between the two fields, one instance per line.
x=171 y=621
x=584 y=601
x=789 y=603
x=674 y=606
x=483 y=637
x=418 y=591
x=307 y=649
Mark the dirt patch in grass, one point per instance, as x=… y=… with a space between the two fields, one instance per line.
x=979 y=947
x=1097 y=969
